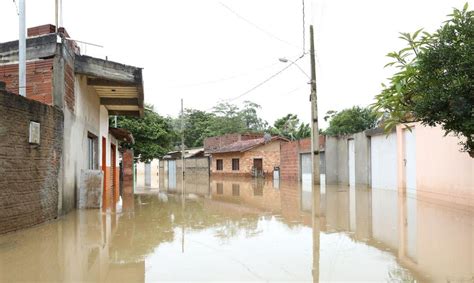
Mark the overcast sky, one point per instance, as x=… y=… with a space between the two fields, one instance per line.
x=215 y=50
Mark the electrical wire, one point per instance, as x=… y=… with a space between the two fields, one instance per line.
x=258 y=27
x=304 y=29
x=264 y=81
x=16 y=6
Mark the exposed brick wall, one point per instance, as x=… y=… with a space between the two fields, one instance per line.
x=41 y=30
x=127 y=165
x=28 y=173
x=69 y=85
x=39 y=79
x=269 y=153
x=290 y=162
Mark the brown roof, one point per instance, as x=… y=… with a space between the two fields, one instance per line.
x=242 y=146
x=122 y=135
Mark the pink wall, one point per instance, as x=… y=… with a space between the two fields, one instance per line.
x=443 y=173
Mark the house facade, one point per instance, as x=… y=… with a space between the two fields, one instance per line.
x=253 y=157
x=87 y=91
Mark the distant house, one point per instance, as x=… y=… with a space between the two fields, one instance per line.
x=252 y=157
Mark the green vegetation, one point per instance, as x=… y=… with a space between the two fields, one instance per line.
x=350 y=121
x=291 y=128
x=435 y=80
x=153 y=134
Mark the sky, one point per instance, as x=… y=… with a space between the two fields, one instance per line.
x=211 y=51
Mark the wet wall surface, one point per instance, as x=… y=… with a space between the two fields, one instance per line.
x=248 y=230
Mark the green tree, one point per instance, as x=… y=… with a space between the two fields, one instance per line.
x=197 y=127
x=250 y=117
x=435 y=81
x=291 y=128
x=350 y=121
x=228 y=119
x=153 y=134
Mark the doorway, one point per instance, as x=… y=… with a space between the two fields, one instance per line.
x=258 y=167
x=104 y=166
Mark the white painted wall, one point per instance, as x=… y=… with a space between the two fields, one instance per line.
x=383 y=158
x=410 y=160
x=351 y=161
x=88 y=116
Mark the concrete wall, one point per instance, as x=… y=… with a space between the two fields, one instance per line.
x=29 y=173
x=337 y=159
x=154 y=165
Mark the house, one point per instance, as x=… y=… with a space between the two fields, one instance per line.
x=86 y=91
x=247 y=157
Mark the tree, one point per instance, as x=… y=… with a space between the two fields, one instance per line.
x=252 y=121
x=350 y=121
x=291 y=128
x=229 y=119
x=435 y=81
x=153 y=134
x=197 y=127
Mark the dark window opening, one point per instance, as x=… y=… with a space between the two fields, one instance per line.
x=235 y=164
x=92 y=149
x=219 y=164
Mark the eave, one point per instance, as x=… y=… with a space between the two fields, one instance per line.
x=119 y=86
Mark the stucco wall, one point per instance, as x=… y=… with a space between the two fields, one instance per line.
x=442 y=171
x=88 y=117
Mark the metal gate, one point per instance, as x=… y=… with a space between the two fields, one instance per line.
x=147 y=174
x=172 y=174
x=351 y=150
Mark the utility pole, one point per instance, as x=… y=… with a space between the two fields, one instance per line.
x=182 y=139
x=22 y=49
x=316 y=210
x=314 y=115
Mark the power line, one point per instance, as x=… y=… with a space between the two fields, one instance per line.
x=304 y=29
x=258 y=27
x=16 y=6
x=264 y=81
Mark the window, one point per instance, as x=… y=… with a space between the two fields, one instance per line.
x=235 y=164
x=91 y=152
x=219 y=164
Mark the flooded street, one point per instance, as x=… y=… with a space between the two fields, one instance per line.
x=247 y=230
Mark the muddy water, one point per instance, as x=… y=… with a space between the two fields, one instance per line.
x=248 y=230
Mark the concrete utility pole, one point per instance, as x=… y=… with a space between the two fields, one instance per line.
x=22 y=49
x=314 y=115
x=316 y=210
x=182 y=138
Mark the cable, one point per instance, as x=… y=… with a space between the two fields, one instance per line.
x=304 y=30
x=264 y=81
x=218 y=80
x=257 y=27
x=16 y=6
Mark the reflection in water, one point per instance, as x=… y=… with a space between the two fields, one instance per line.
x=247 y=229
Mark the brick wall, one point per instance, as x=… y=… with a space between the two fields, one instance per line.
x=28 y=173
x=127 y=167
x=39 y=79
x=269 y=153
x=290 y=151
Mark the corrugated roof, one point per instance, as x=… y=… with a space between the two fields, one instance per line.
x=242 y=146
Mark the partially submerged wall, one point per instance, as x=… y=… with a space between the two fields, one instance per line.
x=30 y=173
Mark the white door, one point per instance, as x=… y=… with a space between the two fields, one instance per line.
x=306 y=171
x=351 y=150
x=410 y=161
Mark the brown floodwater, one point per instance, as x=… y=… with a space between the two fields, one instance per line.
x=248 y=230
